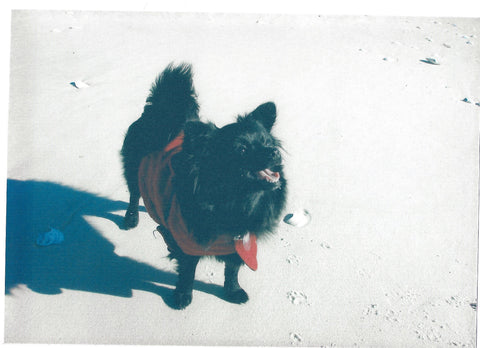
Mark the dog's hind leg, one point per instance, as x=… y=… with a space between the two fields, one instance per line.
x=132 y=153
x=186 y=274
x=233 y=291
x=131 y=175
x=131 y=216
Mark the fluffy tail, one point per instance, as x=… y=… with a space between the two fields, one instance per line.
x=171 y=103
x=172 y=100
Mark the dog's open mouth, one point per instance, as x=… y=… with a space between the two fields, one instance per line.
x=268 y=175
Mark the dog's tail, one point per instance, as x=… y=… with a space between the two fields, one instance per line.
x=172 y=100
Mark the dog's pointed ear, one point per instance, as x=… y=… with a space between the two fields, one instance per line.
x=266 y=114
x=197 y=136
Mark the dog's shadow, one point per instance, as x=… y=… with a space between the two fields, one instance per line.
x=85 y=261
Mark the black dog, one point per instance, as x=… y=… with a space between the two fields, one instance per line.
x=219 y=187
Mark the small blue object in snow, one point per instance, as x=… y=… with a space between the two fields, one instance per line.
x=53 y=236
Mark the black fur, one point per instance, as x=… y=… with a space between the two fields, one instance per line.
x=221 y=182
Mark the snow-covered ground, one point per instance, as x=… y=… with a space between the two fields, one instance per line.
x=382 y=152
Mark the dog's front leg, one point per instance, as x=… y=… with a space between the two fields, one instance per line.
x=186 y=274
x=233 y=291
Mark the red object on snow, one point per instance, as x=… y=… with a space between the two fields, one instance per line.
x=247 y=249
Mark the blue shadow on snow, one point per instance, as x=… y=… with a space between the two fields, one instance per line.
x=85 y=261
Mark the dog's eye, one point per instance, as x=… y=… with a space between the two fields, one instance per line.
x=242 y=149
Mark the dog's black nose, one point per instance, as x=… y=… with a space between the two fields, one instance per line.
x=275 y=154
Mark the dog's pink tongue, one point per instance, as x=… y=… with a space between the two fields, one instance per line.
x=268 y=175
x=247 y=249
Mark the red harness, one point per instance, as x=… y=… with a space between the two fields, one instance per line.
x=155 y=181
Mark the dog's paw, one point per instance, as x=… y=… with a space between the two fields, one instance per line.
x=130 y=220
x=182 y=299
x=236 y=296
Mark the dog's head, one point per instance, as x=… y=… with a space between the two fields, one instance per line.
x=243 y=153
